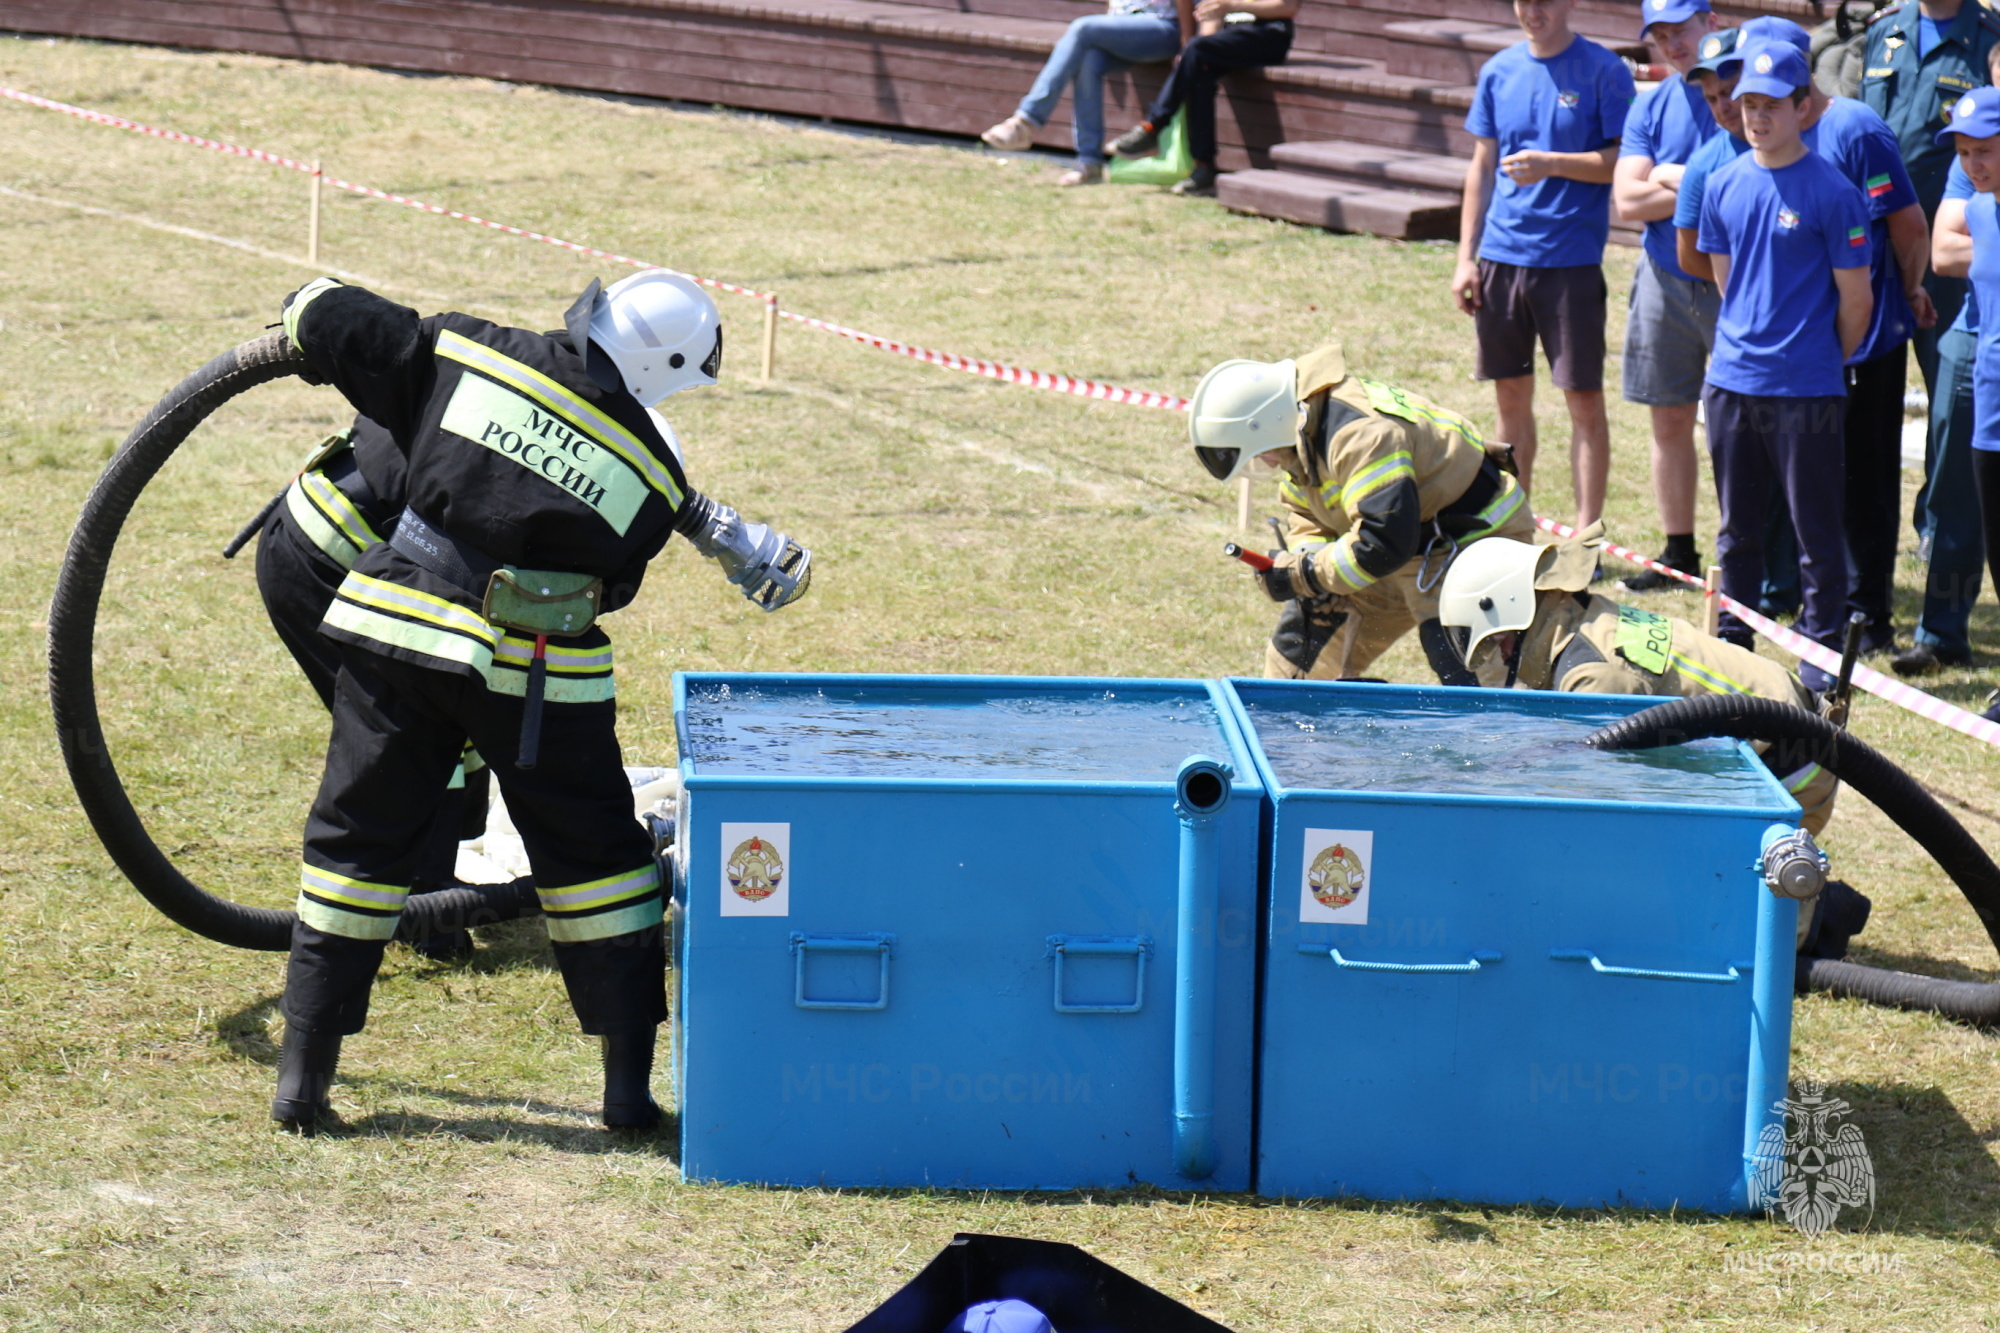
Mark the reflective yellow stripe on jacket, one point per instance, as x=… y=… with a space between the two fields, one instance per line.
x=1498 y=510
x=422 y=623
x=579 y=414
x=1385 y=472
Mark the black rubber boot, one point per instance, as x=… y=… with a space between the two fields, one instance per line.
x=305 y=1074
x=628 y=1078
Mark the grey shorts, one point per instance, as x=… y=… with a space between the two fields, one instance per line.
x=1561 y=308
x=1668 y=335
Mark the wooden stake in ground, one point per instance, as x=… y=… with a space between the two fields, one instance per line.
x=1243 y=504
x=1711 y=601
x=770 y=334
x=312 y=218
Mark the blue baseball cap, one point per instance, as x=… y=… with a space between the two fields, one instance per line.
x=1775 y=69
x=1975 y=115
x=1770 y=29
x=1668 y=11
x=1717 y=49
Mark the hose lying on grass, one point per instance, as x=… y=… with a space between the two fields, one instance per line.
x=73 y=687
x=1800 y=737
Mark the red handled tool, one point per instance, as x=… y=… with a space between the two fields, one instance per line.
x=531 y=711
x=1250 y=558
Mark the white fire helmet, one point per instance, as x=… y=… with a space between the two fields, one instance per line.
x=1489 y=589
x=1243 y=409
x=659 y=330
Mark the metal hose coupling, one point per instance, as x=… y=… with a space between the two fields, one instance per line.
x=772 y=569
x=1794 y=866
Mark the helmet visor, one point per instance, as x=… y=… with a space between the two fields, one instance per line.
x=1457 y=637
x=1219 y=462
x=713 y=366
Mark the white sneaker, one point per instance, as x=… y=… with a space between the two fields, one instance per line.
x=1012 y=135
x=1092 y=174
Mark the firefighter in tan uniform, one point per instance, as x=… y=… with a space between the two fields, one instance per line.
x=1520 y=616
x=1383 y=486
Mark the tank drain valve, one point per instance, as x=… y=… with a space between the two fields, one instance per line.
x=1794 y=866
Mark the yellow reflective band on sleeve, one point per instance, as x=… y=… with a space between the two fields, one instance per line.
x=1386 y=472
x=1350 y=573
x=1711 y=680
x=457 y=777
x=307 y=294
x=1497 y=511
x=580 y=414
x=472 y=762
x=1290 y=490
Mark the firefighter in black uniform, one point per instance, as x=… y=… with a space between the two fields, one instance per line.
x=538 y=486
x=345 y=499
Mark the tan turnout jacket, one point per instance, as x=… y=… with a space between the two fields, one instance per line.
x=1361 y=441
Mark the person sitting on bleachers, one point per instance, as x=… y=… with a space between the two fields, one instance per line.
x=1133 y=32
x=1234 y=34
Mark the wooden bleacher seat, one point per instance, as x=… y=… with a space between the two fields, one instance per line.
x=1374 y=87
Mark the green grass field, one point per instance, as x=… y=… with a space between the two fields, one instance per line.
x=960 y=525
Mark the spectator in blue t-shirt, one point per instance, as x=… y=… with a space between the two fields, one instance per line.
x=1968 y=244
x=1547 y=115
x=1670 y=320
x=1948 y=506
x=1787 y=234
x=1858 y=142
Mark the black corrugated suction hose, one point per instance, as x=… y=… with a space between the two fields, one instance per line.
x=1799 y=737
x=73 y=689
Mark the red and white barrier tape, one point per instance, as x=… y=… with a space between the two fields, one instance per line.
x=1826 y=659
x=1821 y=656
x=1034 y=379
x=997 y=370
x=276 y=160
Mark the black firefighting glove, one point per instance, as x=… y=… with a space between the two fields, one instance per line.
x=1292 y=574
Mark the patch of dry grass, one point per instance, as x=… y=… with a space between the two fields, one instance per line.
x=961 y=525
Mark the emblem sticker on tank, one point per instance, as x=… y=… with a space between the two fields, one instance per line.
x=756 y=869
x=1333 y=877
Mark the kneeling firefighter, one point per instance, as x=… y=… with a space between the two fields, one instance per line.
x=1521 y=616
x=537 y=487
x=1383 y=486
x=346 y=499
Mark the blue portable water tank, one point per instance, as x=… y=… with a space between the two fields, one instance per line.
x=1520 y=993
x=974 y=932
